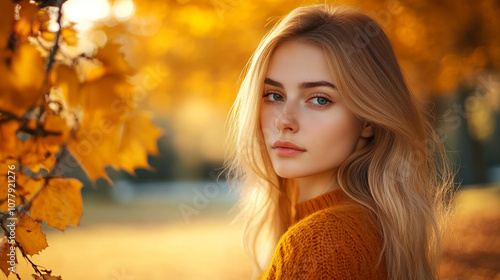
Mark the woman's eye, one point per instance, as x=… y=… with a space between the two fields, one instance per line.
x=320 y=101
x=273 y=96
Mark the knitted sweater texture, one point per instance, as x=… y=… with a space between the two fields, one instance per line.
x=333 y=238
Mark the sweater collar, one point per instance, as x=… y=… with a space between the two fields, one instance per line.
x=318 y=203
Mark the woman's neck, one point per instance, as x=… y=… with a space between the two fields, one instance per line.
x=316 y=185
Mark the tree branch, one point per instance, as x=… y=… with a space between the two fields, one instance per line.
x=55 y=48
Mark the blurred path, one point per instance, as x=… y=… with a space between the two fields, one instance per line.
x=147 y=237
x=147 y=233
x=204 y=249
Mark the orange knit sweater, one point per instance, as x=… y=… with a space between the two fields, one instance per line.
x=334 y=238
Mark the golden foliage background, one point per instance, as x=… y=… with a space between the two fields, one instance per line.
x=190 y=55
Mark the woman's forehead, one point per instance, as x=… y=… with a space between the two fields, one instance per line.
x=299 y=62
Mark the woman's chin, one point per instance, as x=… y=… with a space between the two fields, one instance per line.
x=289 y=173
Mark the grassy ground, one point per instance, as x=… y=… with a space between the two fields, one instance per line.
x=139 y=241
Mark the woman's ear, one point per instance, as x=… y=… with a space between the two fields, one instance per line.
x=367 y=130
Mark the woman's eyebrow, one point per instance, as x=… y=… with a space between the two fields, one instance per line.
x=302 y=85
x=317 y=84
x=273 y=83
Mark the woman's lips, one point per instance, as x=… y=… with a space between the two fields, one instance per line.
x=287 y=152
x=287 y=148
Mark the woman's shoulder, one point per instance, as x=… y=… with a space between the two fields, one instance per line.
x=339 y=242
x=345 y=217
x=347 y=230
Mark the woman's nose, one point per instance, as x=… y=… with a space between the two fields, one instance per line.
x=286 y=120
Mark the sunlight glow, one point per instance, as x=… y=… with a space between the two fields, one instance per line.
x=86 y=10
x=123 y=9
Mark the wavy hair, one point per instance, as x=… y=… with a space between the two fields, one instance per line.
x=402 y=175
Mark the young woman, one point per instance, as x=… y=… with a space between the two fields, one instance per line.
x=342 y=174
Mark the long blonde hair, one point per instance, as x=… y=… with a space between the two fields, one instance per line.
x=402 y=175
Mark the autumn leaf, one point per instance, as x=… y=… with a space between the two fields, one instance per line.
x=26 y=74
x=138 y=139
x=39 y=150
x=41 y=22
x=6 y=18
x=27 y=186
x=95 y=143
x=69 y=36
x=112 y=93
x=103 y=140
x=106 y=102
x=24 y=78
x=59 y=203
x=29 y=235
x=37 y=154
x=23 y=185
x=27 y=17
x=4 y=258
x=48 y=35
x=66 y=79
x=8 y=139
x=23 y=27
x=59 y=130
x=46 y=276
x=111 y=56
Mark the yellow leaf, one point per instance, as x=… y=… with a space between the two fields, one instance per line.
x=28 y=10
x=96 y=143
x=41 y=21
x=26 y=75
x=111 y=56
x=92 y=70
x=66 y=78
x=102 y=135
x=29 y=235
x=59 y=203
x=139 y=137
x=70 y=36
x=22 y=184
x=36 y=153
x=8 y=138
x=46 y=276
x=39 y=151
x=22 y=27
x=5 y=249
x=27 y=17
x=112 y=93
x=27 y=186
x=48 y=36
x=6 y=18
x=22 y=73
x=55 y=123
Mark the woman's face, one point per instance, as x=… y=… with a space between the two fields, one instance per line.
x=308 y=131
